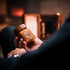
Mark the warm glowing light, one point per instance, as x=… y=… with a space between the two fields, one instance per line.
x=40 y=20
x=58 y=13
x=43 y=29
x=17 y=12
x=31 y=23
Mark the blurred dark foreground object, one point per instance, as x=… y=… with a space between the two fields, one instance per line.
x=53 y=53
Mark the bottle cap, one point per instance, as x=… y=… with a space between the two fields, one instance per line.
x=19 y=28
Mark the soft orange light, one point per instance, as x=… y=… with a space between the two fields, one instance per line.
x=58 y=13
x=17 y=12
x=31 y=23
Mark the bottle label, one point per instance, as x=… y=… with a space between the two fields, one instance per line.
x=27 y=35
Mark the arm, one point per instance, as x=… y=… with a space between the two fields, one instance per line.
x=29 y=47
x=22 y=46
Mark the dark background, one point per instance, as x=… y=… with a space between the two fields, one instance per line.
x=47 y=7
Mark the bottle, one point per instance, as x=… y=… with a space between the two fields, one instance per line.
x=23 y=32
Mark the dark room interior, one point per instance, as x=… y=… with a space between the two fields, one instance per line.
x=46 y=16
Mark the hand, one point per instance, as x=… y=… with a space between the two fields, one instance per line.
x=29 y=47
x=18 y=51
